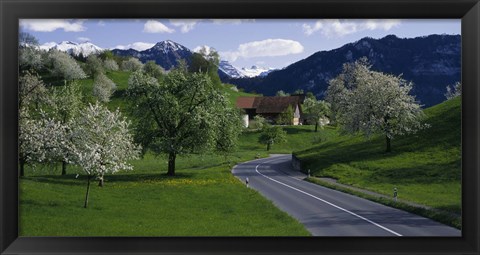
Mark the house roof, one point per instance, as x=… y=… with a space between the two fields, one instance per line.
x=276 y=104
x=247 y=102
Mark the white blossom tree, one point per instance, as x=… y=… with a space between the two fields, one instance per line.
x=66 y=104
x=41 y=140
x=103 y=87
x=32 y=95
x=32 y=91
x=102 y=143
x=29 y=57
x=454 y=91
x=152 y=69
x=94 y=66
x=316 y=111
x=131 y=65
x=110 y=65
x=370 y=102
x=64 y=66
x=29 y=54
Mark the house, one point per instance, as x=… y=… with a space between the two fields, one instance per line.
x=270 y=107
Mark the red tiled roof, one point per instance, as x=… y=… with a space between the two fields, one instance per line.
x=275 y=104
x=247 y=102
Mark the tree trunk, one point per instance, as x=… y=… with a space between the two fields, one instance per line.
x=22 y=168
x=316 y=126
x=64 y=167
x=88 y=190
x=389 y=147
x=100 y=182
x=171 y=163
x=268 y=146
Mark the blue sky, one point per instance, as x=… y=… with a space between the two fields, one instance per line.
x=266 y=43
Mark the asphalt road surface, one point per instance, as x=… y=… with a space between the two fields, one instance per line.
x=327 y=212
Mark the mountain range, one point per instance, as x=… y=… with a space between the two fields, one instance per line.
x=73 y=48
x=167 y=53
x=430 y=62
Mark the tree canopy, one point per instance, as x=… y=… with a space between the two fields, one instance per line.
x=182 y=113
x=271 y=135
x=370 y=102
x=316 y=111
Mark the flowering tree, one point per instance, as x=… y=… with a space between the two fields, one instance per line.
x=32 y=94
x=102 y=143
x=454 y=91
x=316 y=111
x=131 y=65
x=103 y=87
x=64 y=66
x=368 y=101
x=41 y=140
x=66 y=104
x=110 y=65
x=32 y=91
x=182 y=113
x=94 y=66
x=152 y=69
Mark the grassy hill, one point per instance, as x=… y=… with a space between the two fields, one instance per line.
x=203 y=199
x=425 y=167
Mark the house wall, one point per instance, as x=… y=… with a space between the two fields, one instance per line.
x=296 y=121
x=246 y=121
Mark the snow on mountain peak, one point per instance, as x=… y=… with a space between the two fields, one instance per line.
x=255 y=71
x=86 y=48
x=169 y=45
x=243 y=72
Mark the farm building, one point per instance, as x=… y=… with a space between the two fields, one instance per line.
x=271 y=107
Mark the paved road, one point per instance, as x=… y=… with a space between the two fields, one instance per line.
x=327 y=212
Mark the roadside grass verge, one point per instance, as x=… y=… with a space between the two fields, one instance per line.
x=425 y=167
x=444 y=217
x=204 y=199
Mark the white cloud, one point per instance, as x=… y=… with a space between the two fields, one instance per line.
x=185 y=24
x=153 y=26
x=140 y=46
x=50 y=25
x=83 y=39
x=265 y=48
x=207 y=48
x=338 y=28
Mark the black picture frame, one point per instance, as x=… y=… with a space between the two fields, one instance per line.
x=13 y=10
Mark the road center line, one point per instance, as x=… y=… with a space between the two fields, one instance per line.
x=326 y=202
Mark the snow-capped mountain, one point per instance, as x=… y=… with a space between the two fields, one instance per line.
x=164 y=53
x=255 y=71
x=86 y=48
x=228 y=70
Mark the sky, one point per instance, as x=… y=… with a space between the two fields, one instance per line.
x=244 y=43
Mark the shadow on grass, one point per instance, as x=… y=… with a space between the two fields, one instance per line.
x=82 y=179
x=345 y=152
x=296 y=130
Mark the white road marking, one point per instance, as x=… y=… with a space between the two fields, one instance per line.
x=326 y=202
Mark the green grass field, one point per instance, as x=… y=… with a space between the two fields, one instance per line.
x=425 y=167
x=204 y=199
